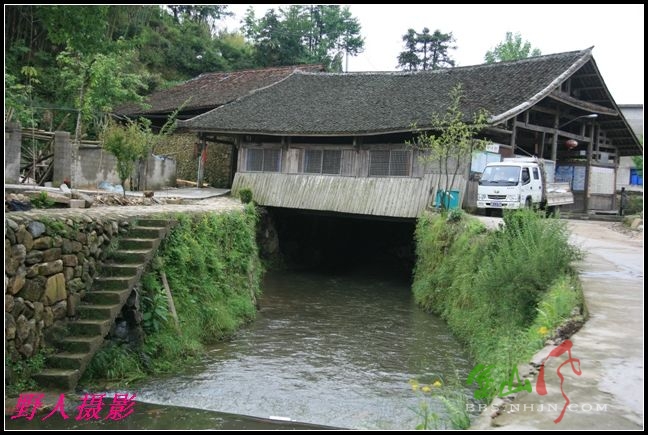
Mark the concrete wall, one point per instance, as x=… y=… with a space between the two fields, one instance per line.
x=50 y=264
x=94 y=165
x=84 y=166
x=13 y=139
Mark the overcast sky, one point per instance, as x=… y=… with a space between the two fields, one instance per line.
x=615 y=31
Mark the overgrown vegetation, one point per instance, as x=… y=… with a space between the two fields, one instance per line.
x=635 y=204
x=214 y=274
x=435 y=389
x=42 y=201
x=502 y=292
x=18 y=374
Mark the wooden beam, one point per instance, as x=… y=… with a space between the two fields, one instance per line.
x=499 y=130
x=552 y=130
x=549 y=110
x=584 y=76
x=588 y=88
x=587 y=106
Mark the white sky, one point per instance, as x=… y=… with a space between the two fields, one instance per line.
x=615 y=31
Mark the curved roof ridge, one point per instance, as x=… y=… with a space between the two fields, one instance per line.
x=457 y=68
x=585 y=56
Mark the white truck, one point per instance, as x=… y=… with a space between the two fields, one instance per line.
x=519 y=182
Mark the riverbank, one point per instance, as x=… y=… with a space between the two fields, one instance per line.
x=608 y=394
x=212 y=258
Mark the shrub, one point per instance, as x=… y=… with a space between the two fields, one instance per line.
x=635 y=204
x=246 y=195
x=42 y=201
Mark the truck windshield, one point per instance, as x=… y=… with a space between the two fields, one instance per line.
x=500 y=176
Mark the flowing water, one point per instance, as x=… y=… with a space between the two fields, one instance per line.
x=337 y=351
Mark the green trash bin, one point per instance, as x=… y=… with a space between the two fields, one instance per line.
x=451 y=199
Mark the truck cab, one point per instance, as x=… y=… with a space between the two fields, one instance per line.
x=511 y=184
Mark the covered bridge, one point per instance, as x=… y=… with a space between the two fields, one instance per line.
x=338 y=142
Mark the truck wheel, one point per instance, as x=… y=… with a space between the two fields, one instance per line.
x=528 y=204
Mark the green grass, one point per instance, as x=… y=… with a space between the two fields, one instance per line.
x=213 y=271
x=501 y=292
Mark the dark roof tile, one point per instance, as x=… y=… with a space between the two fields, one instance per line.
x=211 y=90
x=370 y=103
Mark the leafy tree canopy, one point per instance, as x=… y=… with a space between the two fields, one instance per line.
x=513 y=48
x=426 y=51
x=304 y=34
x=80 y=61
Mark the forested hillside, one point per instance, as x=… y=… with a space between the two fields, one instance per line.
x=66 y=67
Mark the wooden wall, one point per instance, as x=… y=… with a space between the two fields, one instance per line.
x=403 y=197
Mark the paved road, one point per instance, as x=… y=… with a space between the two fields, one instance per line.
x=610 y=392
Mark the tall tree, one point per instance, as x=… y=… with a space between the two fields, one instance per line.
x=426 y=51
x=304 y=34
x=513 y=48
x=79 y=60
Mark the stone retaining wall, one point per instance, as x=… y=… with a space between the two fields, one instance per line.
x=50 y=263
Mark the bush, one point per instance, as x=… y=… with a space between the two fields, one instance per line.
x=246 y=195
x=496 y=289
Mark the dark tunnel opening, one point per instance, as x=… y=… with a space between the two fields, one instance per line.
x=345 y=244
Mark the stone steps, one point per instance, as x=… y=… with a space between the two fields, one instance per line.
x=102 y=304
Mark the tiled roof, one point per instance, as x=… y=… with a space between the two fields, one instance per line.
x=372 y=103
x=211 y=90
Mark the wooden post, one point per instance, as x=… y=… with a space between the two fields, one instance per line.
x=554 y=141
x=170 y=299
x=588 y=170
x=201 y=163
x=514 y=134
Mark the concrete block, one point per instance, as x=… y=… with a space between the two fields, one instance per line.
x=77 y=203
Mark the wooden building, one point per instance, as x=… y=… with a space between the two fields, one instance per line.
x=338 y=142
x=215 y=159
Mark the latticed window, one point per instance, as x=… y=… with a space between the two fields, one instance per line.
x=399 y=163
x=271 y=160
x=266 y=160
x=313 y=161
x=322 y=161
x=394 y=163
x=379 y=163
x=331 y=162
x=254 y=159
